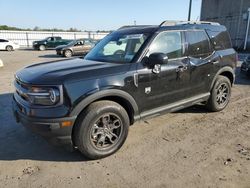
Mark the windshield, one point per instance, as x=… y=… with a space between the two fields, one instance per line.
x=72 y=42
x=117 y=48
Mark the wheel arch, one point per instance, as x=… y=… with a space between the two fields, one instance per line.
x=227 y=72
x=118 y=96
x=9 y=45
x=67 y=49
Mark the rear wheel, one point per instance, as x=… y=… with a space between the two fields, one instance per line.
x=101 y=130
x=9 y=48
x=220 y=94
x=42 y=48
x=67 y=53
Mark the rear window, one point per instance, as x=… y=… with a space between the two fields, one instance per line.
x=198 y=44
x=220 y=39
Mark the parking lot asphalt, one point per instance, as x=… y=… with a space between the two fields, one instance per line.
x=189 y=148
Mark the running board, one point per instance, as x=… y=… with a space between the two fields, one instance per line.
x=173 y=107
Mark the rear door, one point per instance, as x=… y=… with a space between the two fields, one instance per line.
x=201 y=60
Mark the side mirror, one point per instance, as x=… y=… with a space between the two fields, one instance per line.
x=157 y=59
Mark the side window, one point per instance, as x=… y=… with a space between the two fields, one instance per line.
x=79 y=43
x=2 y=40
x=220 y=39
x=198 y=44
x=169 y=43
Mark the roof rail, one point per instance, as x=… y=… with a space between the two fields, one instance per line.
x=176 y=22
x=129 y=26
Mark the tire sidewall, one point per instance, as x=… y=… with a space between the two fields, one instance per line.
x=220 y=80
x=69 y=52
x=85 y=145
x=42 y=48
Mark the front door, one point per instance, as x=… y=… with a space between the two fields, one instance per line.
x=78 y=47
x=51 y=42
x=171 y=84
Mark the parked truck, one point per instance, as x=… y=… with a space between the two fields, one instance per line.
x=50 y=43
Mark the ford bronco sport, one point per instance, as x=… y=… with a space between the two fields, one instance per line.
x=134 y=73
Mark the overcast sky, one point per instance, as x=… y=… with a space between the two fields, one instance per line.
x=93 y=14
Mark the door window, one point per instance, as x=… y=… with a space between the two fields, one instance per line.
x=169 y=43
x=198 y=44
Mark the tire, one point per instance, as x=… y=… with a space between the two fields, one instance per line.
x=94 y=136
x=9 y=48
x=42 y=48
x=67 y=53
x=220 y=94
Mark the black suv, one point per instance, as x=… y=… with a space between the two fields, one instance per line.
x=133 y=73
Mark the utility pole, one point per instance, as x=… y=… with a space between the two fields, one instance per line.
x=189 y=11
x=247 y=31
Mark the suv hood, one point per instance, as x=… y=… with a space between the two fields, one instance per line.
x=61 y=47
x=39 y=41
x=58 y=72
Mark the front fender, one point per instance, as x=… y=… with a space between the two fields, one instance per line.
x=105 y=93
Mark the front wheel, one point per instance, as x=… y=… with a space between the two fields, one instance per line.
x=42 y=47
x=67 y=53
x=101 y=129
x=220 y=94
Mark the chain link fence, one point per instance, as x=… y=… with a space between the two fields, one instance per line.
x=26 y=38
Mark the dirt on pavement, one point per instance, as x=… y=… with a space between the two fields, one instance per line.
x=189 y=148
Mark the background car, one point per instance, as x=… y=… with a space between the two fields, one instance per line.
x=50 y=42
x=245 y=66
x=8 y=45
x=76 y=47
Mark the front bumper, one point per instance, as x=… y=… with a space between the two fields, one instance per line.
x=59 y=52
x=51 y=129
x=36 y=46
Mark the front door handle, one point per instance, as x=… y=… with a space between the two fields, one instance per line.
x=181 y=68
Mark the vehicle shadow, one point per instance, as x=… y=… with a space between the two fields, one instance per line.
x=19 y=143
x=26 y=49
x=196 y=109
x=51 y=56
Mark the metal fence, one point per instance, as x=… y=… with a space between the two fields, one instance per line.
x=25 y=38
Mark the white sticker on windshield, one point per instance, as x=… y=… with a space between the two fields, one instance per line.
x=135 y=36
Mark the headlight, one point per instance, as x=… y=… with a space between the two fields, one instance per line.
x=45 y=96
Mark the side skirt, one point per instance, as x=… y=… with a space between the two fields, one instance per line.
x=175 y=106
